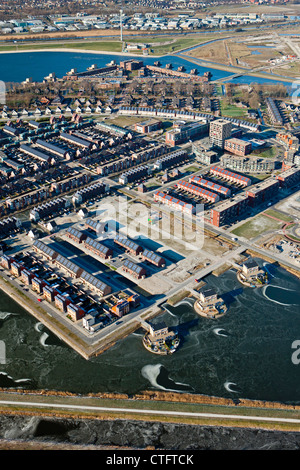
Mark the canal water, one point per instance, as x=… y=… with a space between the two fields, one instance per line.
x=245 y=354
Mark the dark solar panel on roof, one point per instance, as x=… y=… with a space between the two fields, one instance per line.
x=132 y=266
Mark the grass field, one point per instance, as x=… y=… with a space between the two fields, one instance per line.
x=160 y=45
x=178 y=44
x=279 y=215
x=107 y=46
x=257 y=226
x=232 y=110
x=125 y=121
x=270 y=152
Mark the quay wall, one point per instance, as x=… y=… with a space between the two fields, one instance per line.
x=269 y=259
x=75 y=342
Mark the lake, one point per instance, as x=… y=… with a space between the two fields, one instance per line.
x=245 y=354
x=16 y=67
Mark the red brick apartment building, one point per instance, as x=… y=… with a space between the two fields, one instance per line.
x=289 y=178
x=229 y=210
x=262 y=192
x=238 y=146
x=148 y=126
x=230 y=176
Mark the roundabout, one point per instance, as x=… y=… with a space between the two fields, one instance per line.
x=292 y=232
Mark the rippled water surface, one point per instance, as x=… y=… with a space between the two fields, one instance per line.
x=247 y=353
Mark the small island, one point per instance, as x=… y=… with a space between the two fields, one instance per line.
x=159 y=339
x=252 y=275
x=210 y=304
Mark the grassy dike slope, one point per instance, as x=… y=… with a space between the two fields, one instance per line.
x=153 y=406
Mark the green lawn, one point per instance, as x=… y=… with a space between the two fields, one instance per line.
x=231 y=110
x=279 y=215
x=107 y=46
x=177 y=45
x=270 y=152
x=256 y=226
x=159 y=48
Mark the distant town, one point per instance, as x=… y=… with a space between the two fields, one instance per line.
x=137 y=22
x=160 y=16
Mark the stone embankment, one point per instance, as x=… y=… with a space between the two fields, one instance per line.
x=116 y=434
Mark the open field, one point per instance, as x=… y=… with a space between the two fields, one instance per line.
x=125 y=121
x=160 y=45
x=180 y=43
x=256 y=226
x=259 y=9
x=238 y=51
x=290 y=205
x=231 y=110
x=110 y=46
x=279 y=215
x=270 y=152
x=92 y=33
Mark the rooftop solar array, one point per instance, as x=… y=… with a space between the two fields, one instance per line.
x=44 y=248
x=60 y=297
x=151 y=256
x=74 y=232
x=196 y=189
x=75 y=139
x=126 y=242
x=172 y=156
x=230 y=174
x=10 y=129
x=94 y=281
x=98 y=246
x=56 y=204
x=35 y=153
x=91 y=188
x=173 y=200
x=48 y=289
x=133 y=267
x=274 y=109
x=137 y=170
x=94 y=224
x=209 y=117
x=67 y=264
x=112 y=128
x=51 y=147
x=209 y=184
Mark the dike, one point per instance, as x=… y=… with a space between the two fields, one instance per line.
x=163 y=396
